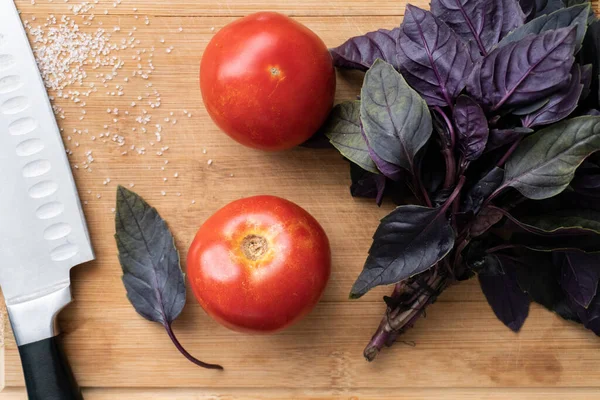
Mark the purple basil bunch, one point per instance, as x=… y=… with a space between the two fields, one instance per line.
x=480 y=120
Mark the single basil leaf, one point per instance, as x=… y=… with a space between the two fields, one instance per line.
x=560 y=104
x=580 y=273
x=476 y=195
x=481 y=22
x=366 y=184
x=151 y=271
x=361 y=52
x=343 y=130
x=525 y=71
x=486 y=218
x=432 y=58
x=472 y=128
x=395 y=119
x=503 y=294
x=591 y=14
x=408 y=241
x=566 y=17
x=389 y=170
x=545 y=162
x=502 y=137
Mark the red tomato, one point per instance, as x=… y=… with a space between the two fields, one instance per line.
x=267 y=81
x=259 y=264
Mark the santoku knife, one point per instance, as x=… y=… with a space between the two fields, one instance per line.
x=43 y=233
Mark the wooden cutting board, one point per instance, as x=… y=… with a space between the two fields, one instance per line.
x=460 y=351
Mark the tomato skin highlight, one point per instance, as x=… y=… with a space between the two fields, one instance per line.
x=267 y=81
x=280 y=286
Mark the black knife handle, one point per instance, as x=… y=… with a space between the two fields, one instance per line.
x=48 y=375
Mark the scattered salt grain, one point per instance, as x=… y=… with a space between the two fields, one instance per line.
x=209 y=162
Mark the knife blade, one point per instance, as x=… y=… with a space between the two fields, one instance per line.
x=43 y=233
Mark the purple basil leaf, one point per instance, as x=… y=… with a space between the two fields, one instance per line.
x=388 y=169
x=366 y=184
x=408 y=241
x=565 y=221
x=529 y=108
x=482 y=23
x=360 y=52
x=395 y=119
x=477 y=194
x=502 y=137
x=560 y=104
x=525 y=71
x=563 y=18
x=579 y=275
x=471 y=128
x=536 y=275
x=586 y=80
x=432 y=58
x=150 y=262
x=344 y=132
x=503 y=294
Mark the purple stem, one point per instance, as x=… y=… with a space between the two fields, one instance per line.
x=509 y=153
x=450 y=168
x=187 y=355
x=449 y=124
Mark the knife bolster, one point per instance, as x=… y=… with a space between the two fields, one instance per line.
x=34 y=320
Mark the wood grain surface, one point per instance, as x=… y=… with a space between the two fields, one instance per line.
x=460 y=351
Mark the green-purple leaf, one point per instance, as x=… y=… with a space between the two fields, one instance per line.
x=360 y=52
x=545 y=162
x=432 y=58
x=408 y=241
x=395 y=119
x=560 y=104
x=481 y=22
x=580 y=274
x=344 y=132
x=472 y=128
x=525 y=71
x=563 y=18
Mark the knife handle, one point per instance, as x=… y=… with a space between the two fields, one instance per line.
x=47 y=372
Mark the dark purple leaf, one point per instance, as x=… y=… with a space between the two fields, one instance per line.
x=152 y=272
x=503 y=294
x=525 y=71
x=476 y=195
x=502 y=137
x=361 y=52
x=484 y=220
x=544 y=7
x=580 y=273
x=566 y=17
x=432 y=58
x=592 y=112
x=366 y=184
x=483 y=23
x=559 y=222
x=396 y=121
x=560 y=105
x=471 y=128
x=408 y=241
